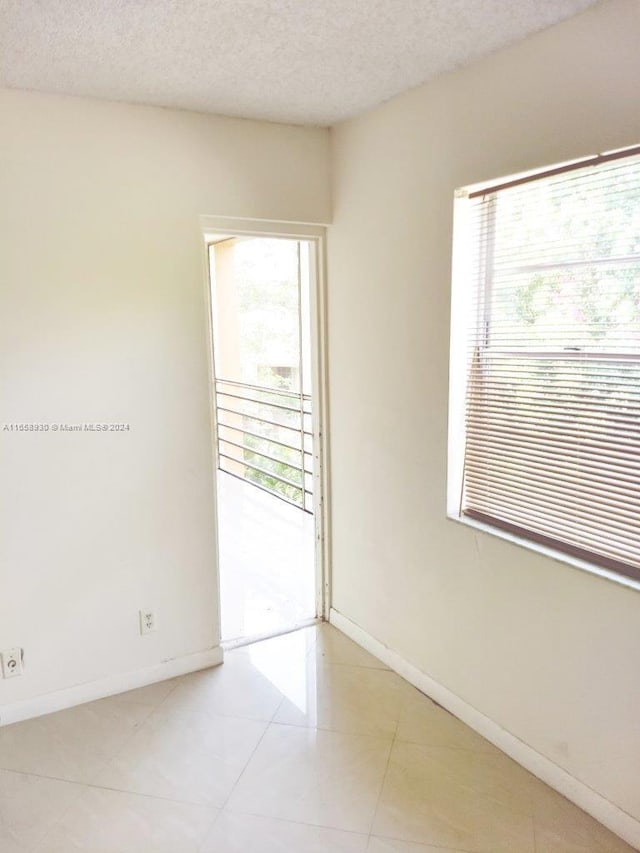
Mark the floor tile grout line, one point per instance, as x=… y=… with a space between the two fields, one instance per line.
x=127 y=741
x=535 y=835
x=288 y=821
x=129 y=793
x=323 y=826
x=420 y=844
x=277 y=710
x=93 y=785
x=359 y=666
x=192 y=709
x=445 y=746
x=298 y=822
x=213 y=823
x=44 y=776
x=61 y=817
x=246 y=764
x=177 y=680
x=384 y=777
x=210 y=825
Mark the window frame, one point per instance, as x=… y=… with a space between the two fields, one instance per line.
x=462 y=264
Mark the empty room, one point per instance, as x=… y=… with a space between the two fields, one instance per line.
x=319 y=426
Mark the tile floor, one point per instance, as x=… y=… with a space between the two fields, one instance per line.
x=299 y=744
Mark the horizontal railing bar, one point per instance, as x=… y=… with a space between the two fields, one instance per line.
x=263 y=471
x=296 y=504
x=295 y=409
x=262 y=420
x=265 y=388
x=253 y=450
x=263 y=437
x=258 y=453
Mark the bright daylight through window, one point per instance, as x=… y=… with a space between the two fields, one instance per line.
x=546 y=360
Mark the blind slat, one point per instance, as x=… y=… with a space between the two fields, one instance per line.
x=587 y=452
x=566 y=496
x=608 y=491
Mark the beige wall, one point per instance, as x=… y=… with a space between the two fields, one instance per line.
x=226 y=335
x=102 y=319
x=549 y=652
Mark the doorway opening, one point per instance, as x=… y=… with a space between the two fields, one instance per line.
x=266 y=407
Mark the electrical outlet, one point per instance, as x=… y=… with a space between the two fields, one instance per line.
x=147 y=621
x=11 y=663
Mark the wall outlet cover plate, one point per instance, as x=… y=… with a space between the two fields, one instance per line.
x=11 y=663
x=147 y=621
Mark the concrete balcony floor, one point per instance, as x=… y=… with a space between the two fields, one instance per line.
x=267 y=574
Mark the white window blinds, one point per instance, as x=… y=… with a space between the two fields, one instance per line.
x=552 y=447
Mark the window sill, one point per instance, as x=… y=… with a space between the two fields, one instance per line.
x=552 y=553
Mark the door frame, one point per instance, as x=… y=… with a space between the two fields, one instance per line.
x=315 y=235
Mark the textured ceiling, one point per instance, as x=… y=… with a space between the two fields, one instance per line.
x=300 y=61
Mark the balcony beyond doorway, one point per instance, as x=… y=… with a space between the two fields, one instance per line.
x=267 y=580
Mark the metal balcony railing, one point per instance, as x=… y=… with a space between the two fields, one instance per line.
x=265 y=436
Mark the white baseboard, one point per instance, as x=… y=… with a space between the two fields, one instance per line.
x=604 y=811
x=109 y=686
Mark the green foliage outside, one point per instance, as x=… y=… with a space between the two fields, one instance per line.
x=289 y=467
x=268 y=292
x=565 y=280
x=589 y=300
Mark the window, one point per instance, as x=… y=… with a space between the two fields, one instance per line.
x=546 y=360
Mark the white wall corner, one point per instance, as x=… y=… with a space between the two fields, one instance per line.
x=68 y=697
x=604 y=811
